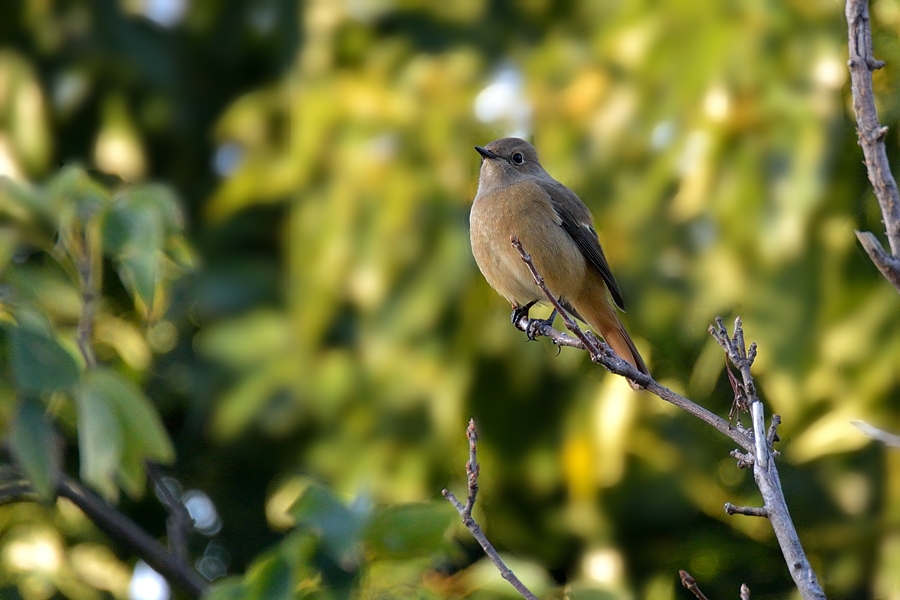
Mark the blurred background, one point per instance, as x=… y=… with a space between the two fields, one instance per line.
x=334 y=335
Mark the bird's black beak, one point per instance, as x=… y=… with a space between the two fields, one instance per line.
x=486 y=153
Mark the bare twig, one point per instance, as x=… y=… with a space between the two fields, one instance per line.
x=688 y=581
x=12 y=492
x=87 y=275
x=871 y=138
x=772 y=435
x=120 y=527
x=179 y=523
x=465 y=512
x=888 y=439
x=744 y=461
x=750 y=511
x=764 y=470
x=887 y=264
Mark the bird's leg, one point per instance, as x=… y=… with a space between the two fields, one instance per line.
x=521 y=311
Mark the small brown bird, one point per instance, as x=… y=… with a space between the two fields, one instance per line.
x=517 y=197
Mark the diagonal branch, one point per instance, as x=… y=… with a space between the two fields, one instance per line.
x=601 y=354
x=88 y=275
x=871 y=138
x=758 y=446
x=123 y=529
x=180 y=522
x=890 y=440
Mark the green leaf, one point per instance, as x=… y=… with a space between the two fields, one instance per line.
x=139 y=271
x=39 y=362
x=79 y=197
x=100 y=438
x=134 y=231
x=84 y=192
x=163 y=199
x=408 y=530
x=132 y=472
x=247 y=340
x=179 y=252
x=34 y=446
x=139 y=417
x=228 y=588
x=122 y=428
x=319 y=509
x=271 y=578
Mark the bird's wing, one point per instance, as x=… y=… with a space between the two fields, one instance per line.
x=577 y=222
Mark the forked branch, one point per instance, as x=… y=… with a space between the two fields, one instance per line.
x=871 y=139
x=465 y=512
x=756 y=443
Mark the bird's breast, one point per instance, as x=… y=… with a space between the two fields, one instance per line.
x=524 y=211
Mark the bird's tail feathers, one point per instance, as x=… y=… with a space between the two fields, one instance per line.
x=601 y=316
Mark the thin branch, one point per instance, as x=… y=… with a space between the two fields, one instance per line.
x=601 y=354
x=750 y=511
x=589 y=343
x=120 y=527
x=887 y=264
x=179 y=523
x=764 y=470
x=87 y=276
x=11 y=493
x=465 y=512
x=888 y=439
x=871 y=136
x=688 y=581
x=473 y=469
x=772 y=435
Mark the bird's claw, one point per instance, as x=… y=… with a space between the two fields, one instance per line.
x=521 y=311
x=533 y=328
x=535 y=325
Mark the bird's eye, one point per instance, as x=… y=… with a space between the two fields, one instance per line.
x=518 y=158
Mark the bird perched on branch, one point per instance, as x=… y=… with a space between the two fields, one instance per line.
x=517 y=197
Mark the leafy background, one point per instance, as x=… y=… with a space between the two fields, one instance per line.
x=313 y=334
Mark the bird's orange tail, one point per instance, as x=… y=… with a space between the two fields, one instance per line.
x=619 y=340
x=596 y=309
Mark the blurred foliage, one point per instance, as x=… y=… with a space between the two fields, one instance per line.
x=290 y=315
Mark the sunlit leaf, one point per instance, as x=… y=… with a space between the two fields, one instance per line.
x=179 y=252
x=80 y=198
x=271 y=578
x=243 y=403
x=229 y=588
x=100 y=437
x=140 y=419
x=118 y=430
x=246 y=340
x=408 y=530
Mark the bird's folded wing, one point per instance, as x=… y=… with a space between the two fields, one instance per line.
x=576 y=221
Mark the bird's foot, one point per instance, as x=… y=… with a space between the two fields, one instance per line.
x=535 y=325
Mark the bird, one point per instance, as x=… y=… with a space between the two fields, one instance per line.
x=517 y=197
